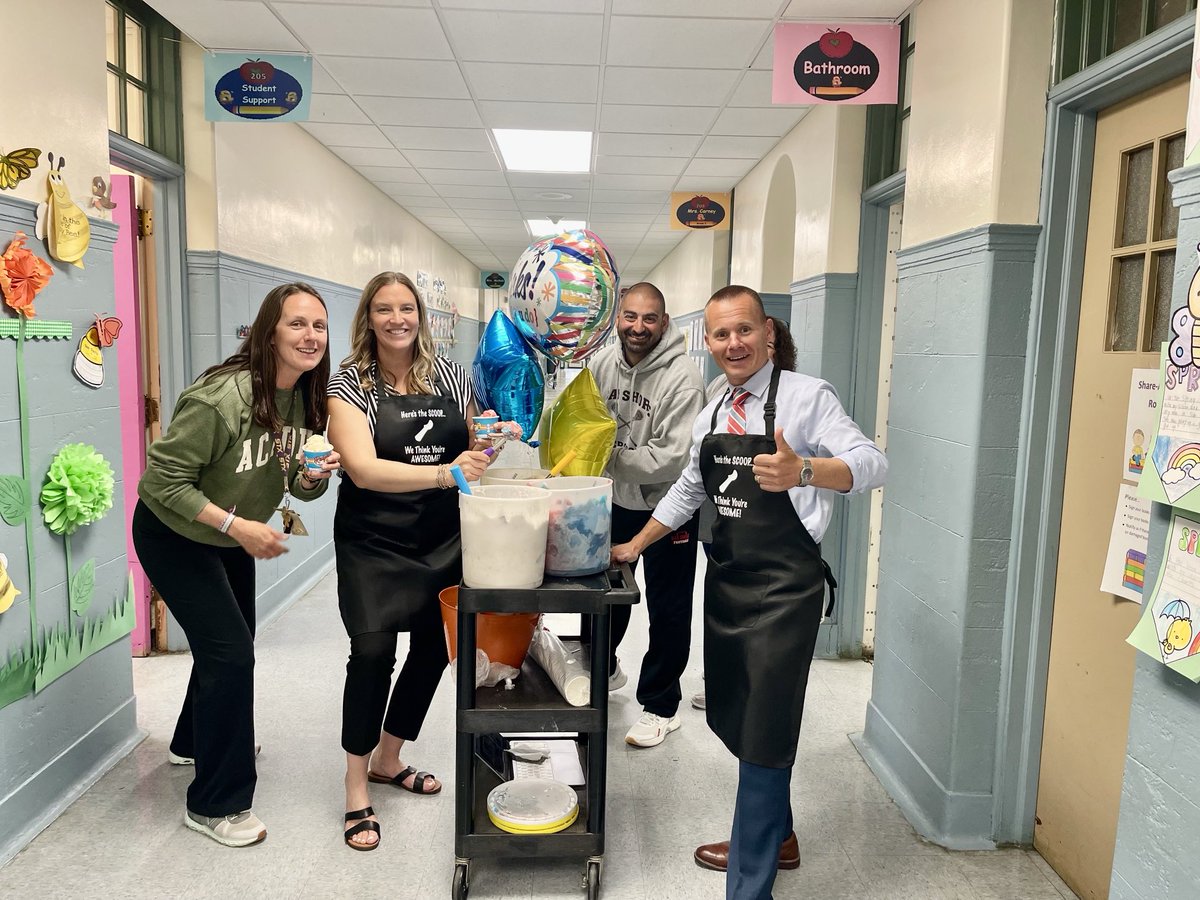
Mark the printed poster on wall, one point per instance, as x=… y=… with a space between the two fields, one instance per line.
x=1169 y=628
x=1140 y=422
x=256 y=87
x=823 y=63
x=1125 y=566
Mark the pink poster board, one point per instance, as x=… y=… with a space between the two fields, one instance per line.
x=133 y=411
x=825 y=63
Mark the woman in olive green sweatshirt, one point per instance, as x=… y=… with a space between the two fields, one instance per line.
x=232 y=453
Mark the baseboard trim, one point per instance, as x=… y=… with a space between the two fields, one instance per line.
x=280 y=597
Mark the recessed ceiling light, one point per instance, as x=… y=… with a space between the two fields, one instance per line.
x=544 y=151
x=543 y=227
x=553 y=195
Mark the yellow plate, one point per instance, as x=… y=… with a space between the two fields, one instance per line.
x=552 y=828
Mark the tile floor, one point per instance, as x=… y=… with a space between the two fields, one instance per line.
x=124 y=837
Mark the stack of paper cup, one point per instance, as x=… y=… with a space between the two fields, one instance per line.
x=563 y=664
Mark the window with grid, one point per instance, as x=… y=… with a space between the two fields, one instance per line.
x=887 y=126
x=1143 y=248
x=1090 y=30
x=142 y=50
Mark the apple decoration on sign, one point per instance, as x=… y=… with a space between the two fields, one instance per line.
x=255 y=71
x=835 y=43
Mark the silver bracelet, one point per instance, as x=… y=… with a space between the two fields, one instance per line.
x=229 y=517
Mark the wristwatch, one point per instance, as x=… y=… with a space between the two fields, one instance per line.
x=806 y=472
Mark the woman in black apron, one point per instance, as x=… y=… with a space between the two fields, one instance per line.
x=398 y=416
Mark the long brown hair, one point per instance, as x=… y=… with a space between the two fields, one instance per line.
x=784 y=347
x=257 y=356
x=363 y=349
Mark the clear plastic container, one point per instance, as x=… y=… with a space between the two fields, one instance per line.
x=504 y=535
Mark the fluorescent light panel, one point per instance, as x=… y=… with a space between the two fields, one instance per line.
x=544 y=151
x=544 y=227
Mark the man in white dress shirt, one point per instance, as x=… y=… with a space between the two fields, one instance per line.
x=770 y=453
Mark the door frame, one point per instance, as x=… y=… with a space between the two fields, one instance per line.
x=1067 y=160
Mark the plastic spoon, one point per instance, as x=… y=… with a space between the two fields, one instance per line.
x=562 y=463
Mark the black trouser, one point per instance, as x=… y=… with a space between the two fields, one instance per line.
x=369 y=675
x=670 y=577
x=210 y=591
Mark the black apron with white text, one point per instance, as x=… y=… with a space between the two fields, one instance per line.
x=395 y=551
x=763 y=595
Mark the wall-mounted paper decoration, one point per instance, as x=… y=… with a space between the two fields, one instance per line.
x=60 y=222
x=88 y=364
x=65 y=648
x=78 y=491
x=101 y=199
x=15 y=166
x=1169 y=627
x=14 y=499
x=22 y=275
x=37 y=329
x=243 y=332
x=8 y=590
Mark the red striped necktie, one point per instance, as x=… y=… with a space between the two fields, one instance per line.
x=737 y=412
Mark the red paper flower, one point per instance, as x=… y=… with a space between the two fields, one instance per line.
x=22 y=275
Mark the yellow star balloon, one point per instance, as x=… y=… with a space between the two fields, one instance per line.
x=579 y=422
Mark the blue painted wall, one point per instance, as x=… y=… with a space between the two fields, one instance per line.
x=55 y=744
x=958 y=370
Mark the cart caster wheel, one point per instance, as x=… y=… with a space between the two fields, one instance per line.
x=592 y=880
x=461 y=884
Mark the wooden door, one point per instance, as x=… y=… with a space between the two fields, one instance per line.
x=1124 y=314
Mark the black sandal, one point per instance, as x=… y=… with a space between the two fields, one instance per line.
x=418 y=782
x=365 y=825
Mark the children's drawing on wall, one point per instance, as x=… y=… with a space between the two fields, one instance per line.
x=60 y=222
x=15 y=167
x=101 y=199
x=88 y=364
x=1167 y=629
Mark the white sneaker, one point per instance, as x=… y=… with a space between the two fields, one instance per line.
x=698 y=700
x=176 y=760
x=651 y=730
x=617 y=679
x=238 y=830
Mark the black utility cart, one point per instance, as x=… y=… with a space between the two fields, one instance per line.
x=535 y=705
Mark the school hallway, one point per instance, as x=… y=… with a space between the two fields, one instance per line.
x=124 y=837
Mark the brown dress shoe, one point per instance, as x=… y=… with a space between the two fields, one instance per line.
x=716 y=856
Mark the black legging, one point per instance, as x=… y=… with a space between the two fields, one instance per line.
x=210 y=591
x=369 y=675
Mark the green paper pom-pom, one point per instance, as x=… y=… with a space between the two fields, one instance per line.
x=78 y=489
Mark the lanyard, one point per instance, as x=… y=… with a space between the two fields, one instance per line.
x=283 y=455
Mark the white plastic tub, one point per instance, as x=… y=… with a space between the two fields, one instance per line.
x=504 y=535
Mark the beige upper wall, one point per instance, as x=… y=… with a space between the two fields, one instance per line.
x=980 y=76
x=284 y=199
x=56 y=97
x=692 y=271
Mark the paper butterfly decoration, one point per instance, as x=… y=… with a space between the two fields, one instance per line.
x=88 y=364
x=15 y=166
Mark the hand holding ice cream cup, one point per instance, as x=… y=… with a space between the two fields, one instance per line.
x=320 y=459
x=489 y=430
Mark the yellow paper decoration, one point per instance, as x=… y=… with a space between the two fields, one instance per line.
x=578 y=421
x=61 y=222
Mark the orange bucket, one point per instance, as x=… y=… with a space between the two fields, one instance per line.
x=504 y=637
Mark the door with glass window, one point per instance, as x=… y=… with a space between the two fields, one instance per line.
x=1124 y=315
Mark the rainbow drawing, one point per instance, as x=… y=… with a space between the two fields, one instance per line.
x=1135 y=571
x=1185 y=457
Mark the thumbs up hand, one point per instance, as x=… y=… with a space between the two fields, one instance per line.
x=780 y=470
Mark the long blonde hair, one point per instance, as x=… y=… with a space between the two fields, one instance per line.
x=363 y=350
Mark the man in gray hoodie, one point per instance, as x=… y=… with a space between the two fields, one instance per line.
x=655 y=392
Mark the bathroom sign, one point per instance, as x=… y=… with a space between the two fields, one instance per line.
x=256 y=87
x=822 y=63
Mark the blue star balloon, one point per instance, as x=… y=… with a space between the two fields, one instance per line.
x=508 y=375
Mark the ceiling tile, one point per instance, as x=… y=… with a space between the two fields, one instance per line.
x=754 y=89
x=366 y=30
x=533 y=82
x=600 y=206
x=347 y=135
x=686 y=119
x=428 y=206
x=442 y=223
x=478 y=203
x=735 y=147
x=866 y=9
x=370 y=156
x=400 y=176
x=750 y=9
x=397 y=77
x=432 y=113
x=550 y=37
x=618 y=144
x=766 y=56
x=463 y=176
x=625 y=218
x=476 y=191
x=640 y=165
x=453 y=159
x=720 y=167
x=516 y=114
x=608 y=229
x=583 y=6
x=323 y=82
x=386 y=173
x=634 y=182
x=775 y=122
x=693 y=44
x=335 y=108
x=228 y=25
x=410 y=190
x=412 y=138
x=703 y=184
x=670 y=87
x=550 y=181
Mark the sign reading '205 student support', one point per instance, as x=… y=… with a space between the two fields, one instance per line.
x=266 y=87
x=857 y=63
